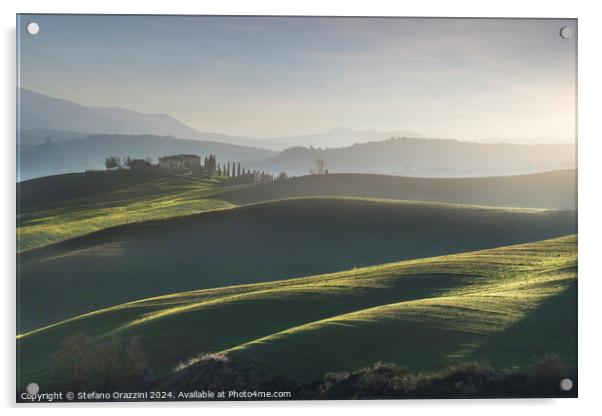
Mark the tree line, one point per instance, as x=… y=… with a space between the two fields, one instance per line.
x=210 y=168
x=234 y=170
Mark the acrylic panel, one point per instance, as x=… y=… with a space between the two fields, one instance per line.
x=295 y=208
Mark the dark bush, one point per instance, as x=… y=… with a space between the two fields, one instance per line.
x=467 y=380
x=381 y=381
x=218 y=373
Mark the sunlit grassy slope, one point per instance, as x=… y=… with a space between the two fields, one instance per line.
x=261 y=242
x=505 y=305
x=59 y=207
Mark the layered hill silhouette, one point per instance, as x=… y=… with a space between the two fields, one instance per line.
x=58 y=136
x=428 y=158
x=38 y=111
x=43 y=117
x=333 y=138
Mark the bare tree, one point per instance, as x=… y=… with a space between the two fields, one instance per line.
x=320 y=167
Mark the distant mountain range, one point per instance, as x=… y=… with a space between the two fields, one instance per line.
x=39 y=111
x=43 y=117
x=59 y=136
x=334 y=138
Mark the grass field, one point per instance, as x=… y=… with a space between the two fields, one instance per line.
x=303 y=276
x=60 y=207
x=260 y=242
x=57 y=208
x=553 y=190
x=506 y=305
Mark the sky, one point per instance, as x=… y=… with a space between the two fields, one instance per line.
x=469 y=79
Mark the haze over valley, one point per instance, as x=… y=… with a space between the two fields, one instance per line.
x=58 y=136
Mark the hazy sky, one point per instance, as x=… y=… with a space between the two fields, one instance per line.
x=259 y=76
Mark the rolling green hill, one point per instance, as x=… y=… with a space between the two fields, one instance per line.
x=95 y=187
x=506 y=305
x=60 y=207
x=553 y=190
x=260 y=242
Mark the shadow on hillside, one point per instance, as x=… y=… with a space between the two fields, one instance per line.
x=550 y=328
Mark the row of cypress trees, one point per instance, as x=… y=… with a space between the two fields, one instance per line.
x=233 y=170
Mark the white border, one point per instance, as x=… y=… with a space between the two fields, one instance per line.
x=590 y=209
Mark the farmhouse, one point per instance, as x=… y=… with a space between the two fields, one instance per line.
x=180 y=162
